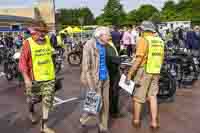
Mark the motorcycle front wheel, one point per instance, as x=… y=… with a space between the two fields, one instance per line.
x=8 y=72
x=58 y=67
x=74 y=59
x=167 y=86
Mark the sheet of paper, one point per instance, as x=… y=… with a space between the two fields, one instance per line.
x=128 y=88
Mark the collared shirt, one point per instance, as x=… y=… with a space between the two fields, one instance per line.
x=127 y=38
x=142 y=48
x=135 y=35
x=103 y=71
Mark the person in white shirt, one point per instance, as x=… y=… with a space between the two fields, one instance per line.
x=135 y=36
x=127 y=40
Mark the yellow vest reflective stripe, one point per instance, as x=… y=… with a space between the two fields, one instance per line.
x=155 y=55
x=43 y=67
x=60 y=42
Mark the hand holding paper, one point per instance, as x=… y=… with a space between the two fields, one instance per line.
x=127 y=85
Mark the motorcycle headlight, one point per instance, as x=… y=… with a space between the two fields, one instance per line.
x=191 y=68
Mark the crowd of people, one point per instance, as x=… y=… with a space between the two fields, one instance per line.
x=100 y=70
x=14 y=41
x=125 y=39
x=146 y=45
x=101 y=73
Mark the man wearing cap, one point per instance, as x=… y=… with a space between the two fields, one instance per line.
x=146 y=70
x=37 y=68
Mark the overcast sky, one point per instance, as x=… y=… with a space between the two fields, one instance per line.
x=95 y=5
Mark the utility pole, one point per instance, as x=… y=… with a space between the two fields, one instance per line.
x=54 y=12
x=81 y=19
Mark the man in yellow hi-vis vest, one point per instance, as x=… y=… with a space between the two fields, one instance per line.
x=60 y=41
x=146 y=71
x=37 y=68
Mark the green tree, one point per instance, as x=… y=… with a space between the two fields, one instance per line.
x=100 y=20
x=195 y=11
x=131 y=17
x=156 y=17
x=184 y=10
x=73 y=16
x=180 y=11
x=86 y=15
x=168 y=11
x=145 y=12
x=113 y=13
x=170 y=4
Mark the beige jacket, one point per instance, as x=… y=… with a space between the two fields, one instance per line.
x=90 y=65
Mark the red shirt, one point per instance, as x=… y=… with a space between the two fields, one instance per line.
x=25 y=60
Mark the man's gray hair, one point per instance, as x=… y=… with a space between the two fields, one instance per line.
x=101 y=31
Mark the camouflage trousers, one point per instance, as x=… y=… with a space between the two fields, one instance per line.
x=41 y=91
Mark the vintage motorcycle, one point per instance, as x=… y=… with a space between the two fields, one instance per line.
x=58 y=58
x=75 y=56
x=167 y=82
x=10 y=65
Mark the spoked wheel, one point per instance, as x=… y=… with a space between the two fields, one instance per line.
x=58 y=67
x=167 y=86
x=189 y=77
x=9 y=76
x=1 y=59
x=69 y=48
x=74 y=59
x=8 y=72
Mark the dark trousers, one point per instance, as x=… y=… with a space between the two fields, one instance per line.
x=129 y=50
x=117 y=45
x=134 y=49
x=118 y=48
x=114 y=95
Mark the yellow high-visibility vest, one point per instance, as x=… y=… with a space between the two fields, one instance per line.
x=43 y=67
x=60 y=42
x=155 y=55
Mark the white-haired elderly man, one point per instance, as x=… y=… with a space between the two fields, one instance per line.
x=95 y=75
